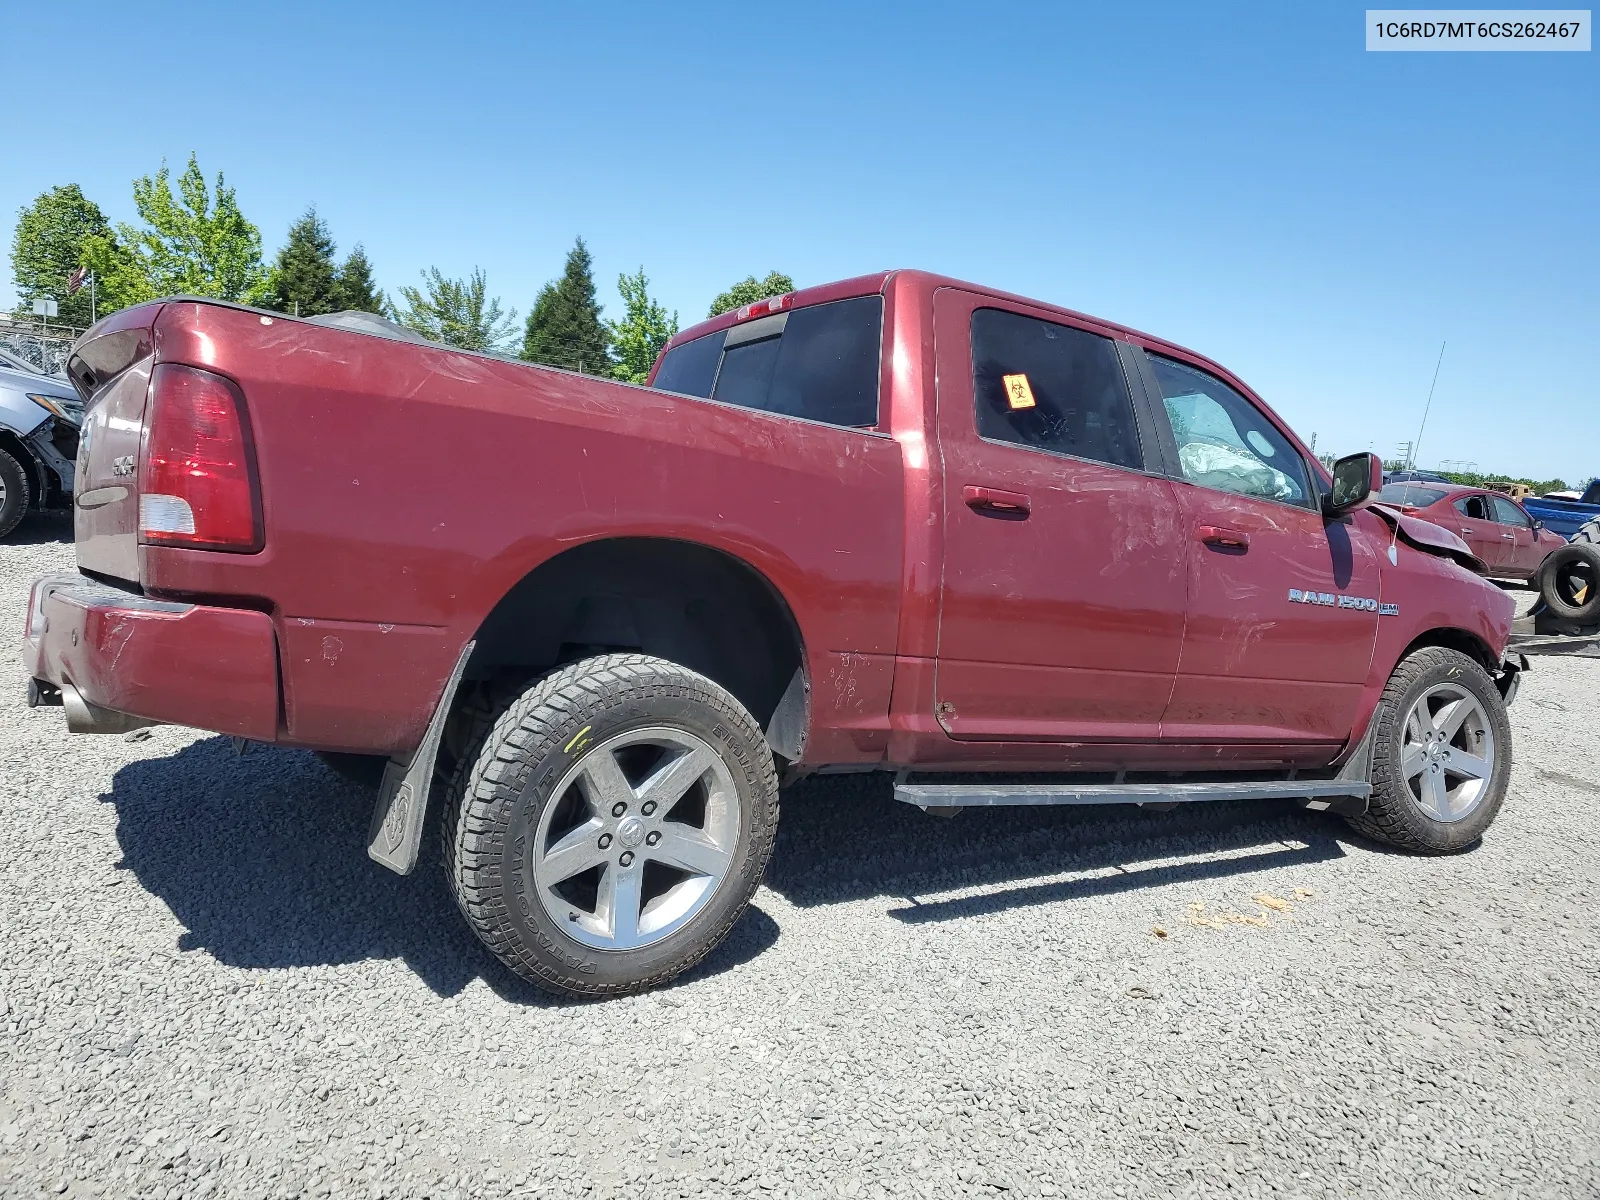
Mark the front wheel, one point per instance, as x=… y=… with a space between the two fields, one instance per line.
x=612 y=825
x=1441 y=756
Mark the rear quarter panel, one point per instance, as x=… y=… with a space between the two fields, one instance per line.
x=405 y=489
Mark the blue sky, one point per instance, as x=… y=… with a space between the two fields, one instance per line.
x=1247 y=180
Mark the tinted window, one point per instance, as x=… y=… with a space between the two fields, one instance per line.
x=819 y=363
x=1508 y=513
x=1051 y=387
x=1224 y=442
x=692 y=367
x=1410 y=493
x=746 y=375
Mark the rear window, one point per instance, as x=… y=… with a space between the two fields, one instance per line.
x=1410 y=493
x=819 y=363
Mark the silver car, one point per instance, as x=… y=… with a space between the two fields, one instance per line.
x=40 y=416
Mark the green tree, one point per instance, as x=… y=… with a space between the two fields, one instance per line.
x=49 y=245
x=564 y=329
x=357 y=292
x=196 y=243
x=642 y=332
x=750 y=289
x=457 y=312
x=304 y=279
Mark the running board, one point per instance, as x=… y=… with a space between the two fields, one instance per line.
x=1343 y=795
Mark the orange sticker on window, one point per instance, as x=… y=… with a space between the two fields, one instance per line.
x=1018 y=393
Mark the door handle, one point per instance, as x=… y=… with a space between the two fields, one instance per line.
x=1228 y=539
x=992 y=502
x=1466 y=532
x=1510 y=537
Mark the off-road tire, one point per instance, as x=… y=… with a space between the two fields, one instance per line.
x=1589 y=533
x=1392 y=815
x=18 y=492
x=506 y=775
x=1562 y=559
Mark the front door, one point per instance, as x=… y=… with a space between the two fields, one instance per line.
x=1520 y=550
x=1061 y=603
x=1283 y=604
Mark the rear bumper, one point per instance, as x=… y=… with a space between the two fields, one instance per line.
x=169 y=663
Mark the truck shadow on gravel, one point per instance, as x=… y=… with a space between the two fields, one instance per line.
x=42 y=529
x=844 y=838
x=263 y=860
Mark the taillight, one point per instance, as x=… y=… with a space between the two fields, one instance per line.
x=196 y=475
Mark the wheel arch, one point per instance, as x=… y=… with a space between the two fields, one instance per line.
x=1453 y=637
x=693 y=604
x=18 y=449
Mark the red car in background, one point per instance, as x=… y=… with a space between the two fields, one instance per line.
x=1510 y=542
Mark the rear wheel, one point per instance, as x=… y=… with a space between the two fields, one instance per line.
x=612 y=826
x=15 y=492
x=1442 y=755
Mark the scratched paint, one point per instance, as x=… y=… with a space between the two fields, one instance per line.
x=332 y=647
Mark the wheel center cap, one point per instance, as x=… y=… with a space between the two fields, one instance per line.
x=631 y=833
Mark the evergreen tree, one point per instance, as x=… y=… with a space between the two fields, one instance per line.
x=49 y=245
x=356 y=291
x=564 y=328
x=304 y=280
x=642 y=332
x=457 y=312
x=750 y=289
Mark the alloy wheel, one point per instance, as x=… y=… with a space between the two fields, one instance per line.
x=1447 y=753
x=636 y=838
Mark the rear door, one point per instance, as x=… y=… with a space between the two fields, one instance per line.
x=1061 y=604
x=1283 y=604
x=1478 y=528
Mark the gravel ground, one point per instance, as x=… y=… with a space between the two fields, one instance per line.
x=207 y=989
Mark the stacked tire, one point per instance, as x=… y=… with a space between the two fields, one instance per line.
x=1569 y=580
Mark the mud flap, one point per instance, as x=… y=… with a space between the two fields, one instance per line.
x=395 y=835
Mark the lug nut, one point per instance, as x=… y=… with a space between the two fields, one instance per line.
x=627 y=858
x=605 y=840
x=649 y=807
x=654 y=837
x=618 y=809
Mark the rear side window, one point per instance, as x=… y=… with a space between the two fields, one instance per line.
x=1051 y=387
x=819 y=363
x=692 y=367
x=1474 y=507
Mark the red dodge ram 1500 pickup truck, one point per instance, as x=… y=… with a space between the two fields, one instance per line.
x=898 y=522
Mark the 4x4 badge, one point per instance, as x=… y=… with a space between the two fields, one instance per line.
x=1330 y=600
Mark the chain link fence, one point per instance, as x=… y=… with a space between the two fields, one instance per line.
x=42 y=347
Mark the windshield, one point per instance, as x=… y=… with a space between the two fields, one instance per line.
x=1411 y=494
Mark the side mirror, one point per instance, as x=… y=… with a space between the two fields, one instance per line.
x=1538 y=526
x=1357 y=478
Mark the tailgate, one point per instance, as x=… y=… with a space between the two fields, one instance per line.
x=110 y=366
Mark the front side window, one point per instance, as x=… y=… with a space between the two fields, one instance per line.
x=1508 y=513
x=1051 y=387
x=1224 y=441
x=819 y=363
